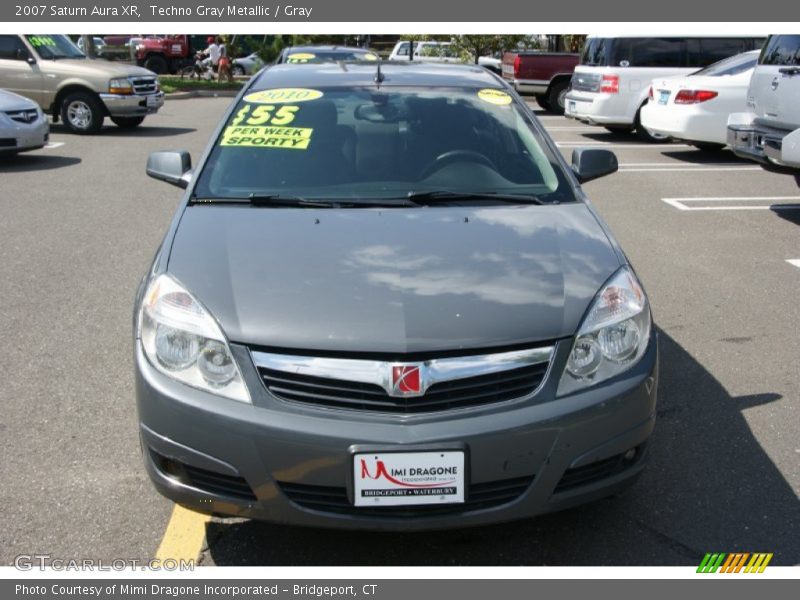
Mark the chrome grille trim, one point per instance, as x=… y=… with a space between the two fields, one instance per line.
x=144 y=85
x=28 y=115
x=378 y=372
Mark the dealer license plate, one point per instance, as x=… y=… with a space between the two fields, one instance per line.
x=408 y=478
x=152 y=101
x=663 y=97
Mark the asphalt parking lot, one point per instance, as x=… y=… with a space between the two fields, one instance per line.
x=712 y=238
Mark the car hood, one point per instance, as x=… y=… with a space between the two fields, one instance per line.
x=93 y=66
x=12 y=101
x=393 y=280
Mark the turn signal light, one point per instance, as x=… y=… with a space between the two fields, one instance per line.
x=517 y=62
x=694 y=96
x=609 y=84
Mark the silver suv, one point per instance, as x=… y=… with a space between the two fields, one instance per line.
x=52 y=71
x=769 y=131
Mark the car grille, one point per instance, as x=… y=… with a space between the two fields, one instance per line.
x=334 y=499
x=23 y=116
x=585 y=82
x=145 y=85
x=446 y=395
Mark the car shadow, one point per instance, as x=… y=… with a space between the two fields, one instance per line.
x=791 y=214
x=36 y=162
x=710 y=486
x=696 y=156
x=143 y=130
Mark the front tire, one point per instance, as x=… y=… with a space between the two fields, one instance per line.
x=237 y=70
x=82 y=113
x=541 y=100
x=157 y=64
x=127 y=122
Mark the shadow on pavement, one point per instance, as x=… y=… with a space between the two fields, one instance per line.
x=111 y=130
x=704 y=157
x=790 y=214
x=709 y=487
x=21 y=163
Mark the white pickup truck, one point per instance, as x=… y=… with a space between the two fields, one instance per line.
x=769 y=131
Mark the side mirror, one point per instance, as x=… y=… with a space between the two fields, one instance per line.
x=172 y=166
x=23 y=54
x=591 y=163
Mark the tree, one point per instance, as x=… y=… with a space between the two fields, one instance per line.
x=471 y=47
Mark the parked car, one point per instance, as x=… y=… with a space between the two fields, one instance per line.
x=98 y=42
x=386 y=303
x=545 y=74
x=52 y=71
x=695 y=108
x=611 y=83
x=768 y=131
x=247 y=65
x=320 y=54
x=23 y=125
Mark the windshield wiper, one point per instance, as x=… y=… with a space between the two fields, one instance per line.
x=442 y=196
x=281 y=200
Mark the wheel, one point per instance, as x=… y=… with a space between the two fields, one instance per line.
x=82 y=113
x=647 y=136
x=187 y=72
x=237 y=69
x=127 y=122
x=707 y=146
x=556 y=97
x=453 y=156
x=618 y=128
x=157 y=64
x=541 y=100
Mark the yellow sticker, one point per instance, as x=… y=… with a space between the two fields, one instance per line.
x=491 y=96
x=370 y=56
x=292 y=138
x=283 y=95
x=300 y=57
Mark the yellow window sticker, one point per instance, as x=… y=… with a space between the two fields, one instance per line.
x=41 y=40
x=370 y=56
x=263 y=114
x=283 y=96
x=300 y=57
x=491 y=96
x=292 y=138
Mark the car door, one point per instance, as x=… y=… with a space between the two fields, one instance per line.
x=17 y=74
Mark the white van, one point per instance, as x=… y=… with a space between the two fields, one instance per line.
x=427 y=51
x=611 y=83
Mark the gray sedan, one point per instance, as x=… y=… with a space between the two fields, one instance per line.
x=23 y=126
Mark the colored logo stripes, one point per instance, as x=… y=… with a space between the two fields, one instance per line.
x=735 y=562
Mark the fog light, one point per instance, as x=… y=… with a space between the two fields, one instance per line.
x=630 y=454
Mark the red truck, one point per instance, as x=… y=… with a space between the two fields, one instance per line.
x=546 y=75
x=164 y=54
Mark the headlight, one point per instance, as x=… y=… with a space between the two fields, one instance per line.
x=120 y=86
x=182 y=340
x=613 y=336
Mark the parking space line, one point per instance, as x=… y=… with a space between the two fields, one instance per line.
x=795 y=262
x=768 y=202
x=51 y=145
x=699 y=169
x=184 y=536
x=571 y=128
x=616 y=145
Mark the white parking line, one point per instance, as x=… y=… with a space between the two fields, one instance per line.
x=615 y=145
x=794 y=262
x=768 y=202
x=663 y=169
x=51 y=145
x=573 y=128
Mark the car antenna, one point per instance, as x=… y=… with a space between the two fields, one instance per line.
x=378 y=75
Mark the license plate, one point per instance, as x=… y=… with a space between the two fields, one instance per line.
x=508 y=69
x=152 y=101
x=663 y=97
x=408 y=478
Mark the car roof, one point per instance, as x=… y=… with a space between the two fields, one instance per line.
x=326 y=48
x=360 y=74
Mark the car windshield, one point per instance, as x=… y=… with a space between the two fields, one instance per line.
x=371 y=144
x=54 y=46
x=730 y=66
x=316 y=56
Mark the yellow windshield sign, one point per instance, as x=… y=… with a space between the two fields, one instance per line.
x=291 y=138
x=283 y=95
x=491 y=96
x=300 y=57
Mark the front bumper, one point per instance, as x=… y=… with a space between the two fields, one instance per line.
x=132 y=105
x=754 y=141
x=226 y=457
x=23 y=137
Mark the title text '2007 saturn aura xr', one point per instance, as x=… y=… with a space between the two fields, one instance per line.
x=386 y=303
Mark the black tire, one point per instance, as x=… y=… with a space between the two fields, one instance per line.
x=82 y=113
x=237 y=70
x=127 y=122
x=157 y=64
x=187 y=72
x=618 y=128
x=644 y=135
x=707 y=146
x=556 y=97
x=541 y=100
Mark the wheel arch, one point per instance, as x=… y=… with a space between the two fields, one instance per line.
x=69 y=87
